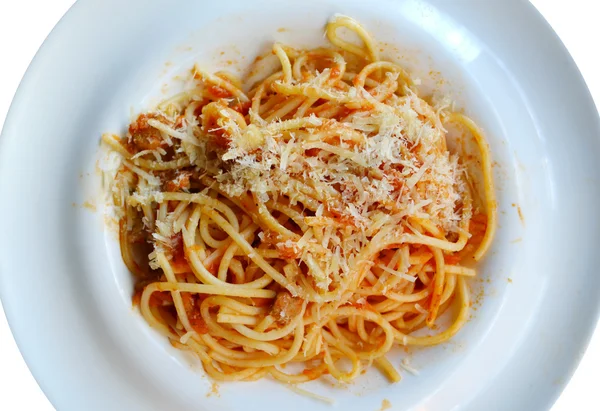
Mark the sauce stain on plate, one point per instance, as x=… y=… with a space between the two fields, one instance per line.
x=520 y=212
x=385 y=405
x=214 y=390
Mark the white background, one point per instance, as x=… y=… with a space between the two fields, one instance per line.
x=24 y=24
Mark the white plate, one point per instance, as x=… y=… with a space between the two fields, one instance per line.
x=66 y=292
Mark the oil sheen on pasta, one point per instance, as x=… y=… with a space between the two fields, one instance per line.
x=314 y=216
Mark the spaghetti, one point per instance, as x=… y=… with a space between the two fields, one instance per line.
x=313 y=217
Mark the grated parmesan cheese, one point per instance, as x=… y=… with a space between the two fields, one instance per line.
x=405 y=364
x=379 y=166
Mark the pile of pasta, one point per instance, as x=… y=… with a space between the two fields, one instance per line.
x=316 y=217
